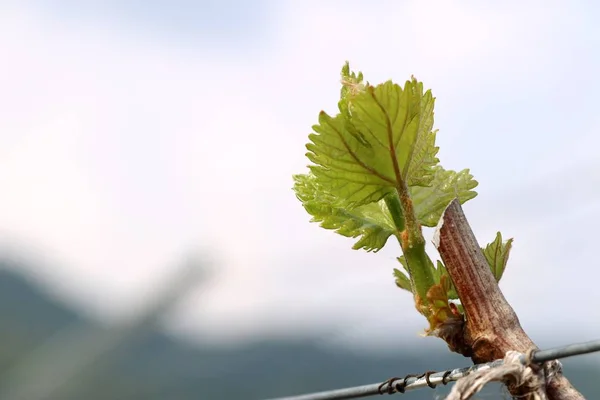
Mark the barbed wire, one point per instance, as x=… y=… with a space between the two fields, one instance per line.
x=432 y=378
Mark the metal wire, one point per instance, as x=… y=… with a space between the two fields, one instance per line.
x=431 y=379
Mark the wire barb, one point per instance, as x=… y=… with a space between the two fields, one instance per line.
x=391 y=387
x=432 y=379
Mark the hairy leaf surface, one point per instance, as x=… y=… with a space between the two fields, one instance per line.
x=382 y=142
x=371 y=223
x=430 y=201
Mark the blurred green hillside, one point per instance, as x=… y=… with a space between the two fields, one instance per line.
x=156 y=366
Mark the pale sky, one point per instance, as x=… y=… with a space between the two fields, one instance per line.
x=132 y=133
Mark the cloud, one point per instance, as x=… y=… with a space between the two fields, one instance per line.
x=119 y=154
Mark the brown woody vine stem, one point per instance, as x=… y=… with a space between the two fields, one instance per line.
x=492 y=327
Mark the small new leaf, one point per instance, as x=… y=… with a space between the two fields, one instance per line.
x=402 y=261
x=431 y=201
x=445 y=277
x=383 y=142
x=423 y=152
x=402 y=280
x=371 y=223
x=352 y=83
x=496 y=254
x=440 y=276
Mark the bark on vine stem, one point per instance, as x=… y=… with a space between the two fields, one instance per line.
x=492 y=327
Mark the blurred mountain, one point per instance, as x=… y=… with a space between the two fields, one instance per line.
x=157 y=366
x=27 y=317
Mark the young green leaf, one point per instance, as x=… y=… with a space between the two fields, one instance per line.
x=438 y=271
x=496 y=254
x=431 y=201
x=423 y=158
x=384 y=142
x=441 y=272
x=352 y=83
x=402 y=280
x=402 y=261
x=371 y=222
